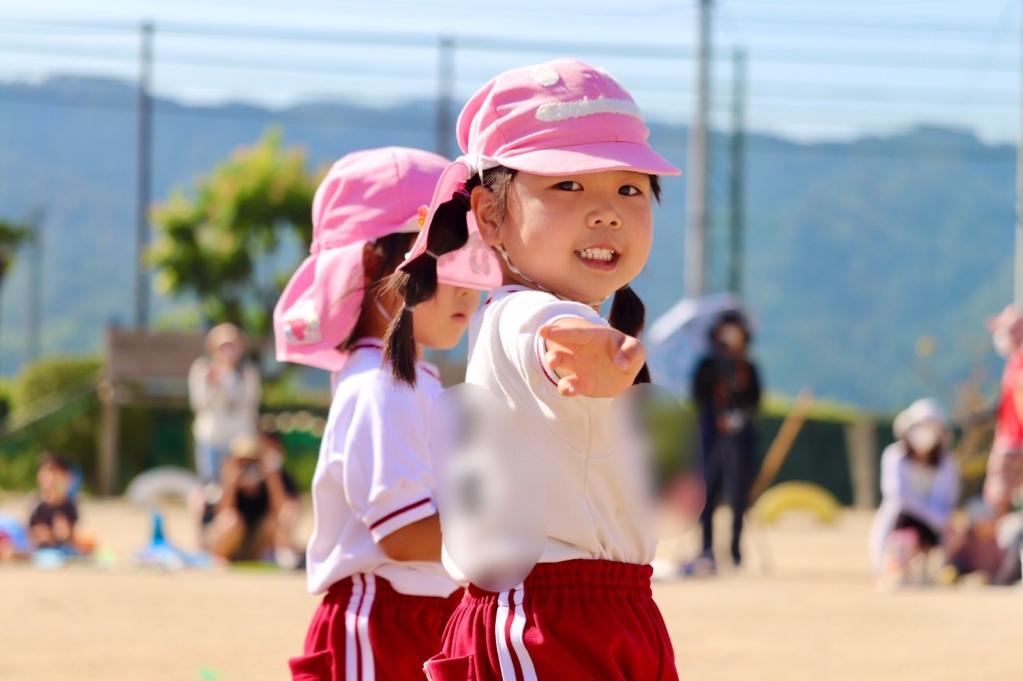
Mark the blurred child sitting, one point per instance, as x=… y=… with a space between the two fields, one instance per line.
x=920 y=489
x=972 y=547
x=51 y=524
x=255 y=515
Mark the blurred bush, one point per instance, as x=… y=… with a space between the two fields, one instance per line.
x=18 y=469
x=53 y=407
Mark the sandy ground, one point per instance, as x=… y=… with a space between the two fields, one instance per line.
x=813 y=615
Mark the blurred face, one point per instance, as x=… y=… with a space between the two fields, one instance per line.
x=923 y=438
x=440 y=322
x=53 y=481
x=582 y=236
x=228 y=353
x=250 y=478
x=732 y=336
x=46 y=477
x=1004 y=342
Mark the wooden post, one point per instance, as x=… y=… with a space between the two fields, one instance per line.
x=861 y=447
x=109 y=437
x=782 y=444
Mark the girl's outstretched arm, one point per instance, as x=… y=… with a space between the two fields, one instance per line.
x=591 y=359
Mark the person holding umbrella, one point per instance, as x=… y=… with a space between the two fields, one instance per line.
x=726 y=389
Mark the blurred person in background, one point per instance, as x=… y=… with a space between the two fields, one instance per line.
x=971 y=547
x=254 y=515
x=1004 y=481
x=224 y=392
x=54 y=517
x=920 y=490
x=1003 y=485
x=726 y=389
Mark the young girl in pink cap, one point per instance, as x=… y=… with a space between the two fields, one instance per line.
x=560 y=179
x=375 y=549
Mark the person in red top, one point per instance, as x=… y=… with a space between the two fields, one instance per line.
x=1004 y=480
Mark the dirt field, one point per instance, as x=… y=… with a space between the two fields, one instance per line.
x=814 y=616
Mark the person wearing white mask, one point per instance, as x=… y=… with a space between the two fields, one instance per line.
x=920 y=490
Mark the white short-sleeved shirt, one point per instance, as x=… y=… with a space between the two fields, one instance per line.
x=373 y=477
x=593 y=500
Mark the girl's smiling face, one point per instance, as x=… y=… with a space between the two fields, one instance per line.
x=582 y=237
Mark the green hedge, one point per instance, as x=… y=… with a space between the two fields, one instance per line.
x=154 y=437
x=58 y=390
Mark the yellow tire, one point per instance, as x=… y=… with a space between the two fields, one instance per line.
x=796 y=496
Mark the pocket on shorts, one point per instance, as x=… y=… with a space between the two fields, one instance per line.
x=451 y=669
x=315 y=667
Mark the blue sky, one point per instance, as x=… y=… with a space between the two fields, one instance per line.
x=818 y=68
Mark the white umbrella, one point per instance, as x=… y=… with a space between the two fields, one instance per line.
x=680 y=337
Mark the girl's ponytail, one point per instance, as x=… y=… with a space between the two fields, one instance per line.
x=417 y=281
x=400 y=340
x=628 y=315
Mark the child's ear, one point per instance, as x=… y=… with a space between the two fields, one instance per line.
x=486 y=211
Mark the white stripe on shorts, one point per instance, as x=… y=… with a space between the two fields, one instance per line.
x=517 y=628
x=500 y=624
x=351 y=629
x=365 y=645
x=512 y=600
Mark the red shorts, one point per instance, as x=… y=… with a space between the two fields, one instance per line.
x=580 y=619
x=365 y=630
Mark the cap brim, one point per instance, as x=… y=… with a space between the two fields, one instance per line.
x=591 y=158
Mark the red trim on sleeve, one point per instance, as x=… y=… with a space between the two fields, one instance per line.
x=539 y=358
x=404 y=509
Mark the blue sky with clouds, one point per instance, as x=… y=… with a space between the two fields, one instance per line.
x=817 y=68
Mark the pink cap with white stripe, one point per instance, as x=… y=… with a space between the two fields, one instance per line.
x=559 y=118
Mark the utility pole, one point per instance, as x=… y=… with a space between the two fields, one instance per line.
x=697 y=171
x=445 y=130
x=144 y=170
x=737 y=175
x=35 y=289
x=1018 y=269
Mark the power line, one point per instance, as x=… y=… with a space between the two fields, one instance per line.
x=841 y=24
x=334 y=37
x=860 y=59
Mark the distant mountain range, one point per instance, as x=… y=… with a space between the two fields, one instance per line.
x=855 y=250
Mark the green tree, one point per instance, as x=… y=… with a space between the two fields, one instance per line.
x=209 y=244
